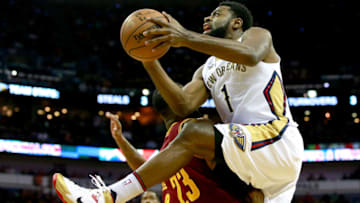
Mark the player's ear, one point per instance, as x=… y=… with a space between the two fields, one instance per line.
x=237 y=23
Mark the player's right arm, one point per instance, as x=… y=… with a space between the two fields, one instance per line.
x=133 y=157
x=183 y=101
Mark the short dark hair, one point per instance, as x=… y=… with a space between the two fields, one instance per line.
x=240 y=11
x=163 y=108
x=158 y=102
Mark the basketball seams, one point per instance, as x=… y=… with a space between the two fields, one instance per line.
x=143 y=57
x=128 y=19
x=140 y=26
x=122 y=30
x=132 y=38
x=132 y=49
x=131 y=34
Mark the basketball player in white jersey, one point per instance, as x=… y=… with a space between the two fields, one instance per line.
x=259 y=140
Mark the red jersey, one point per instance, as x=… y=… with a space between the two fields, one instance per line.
x=195 y=182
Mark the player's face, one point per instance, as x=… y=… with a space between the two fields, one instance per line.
x=149 y=197
x=217 y=23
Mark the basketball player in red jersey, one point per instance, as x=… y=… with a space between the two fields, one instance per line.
x=196 y=182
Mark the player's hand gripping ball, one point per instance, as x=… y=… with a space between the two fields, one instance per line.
x=133 y=40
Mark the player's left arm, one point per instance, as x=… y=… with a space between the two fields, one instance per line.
x=255 y=46
x=133 y=157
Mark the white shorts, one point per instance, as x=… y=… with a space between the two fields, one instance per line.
x=272 y=164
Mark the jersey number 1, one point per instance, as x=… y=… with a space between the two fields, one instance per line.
x=227 y=98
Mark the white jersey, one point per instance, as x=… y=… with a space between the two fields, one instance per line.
x=244 y=94
x=261 y=143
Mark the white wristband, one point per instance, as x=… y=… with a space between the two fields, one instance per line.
x=127 y=188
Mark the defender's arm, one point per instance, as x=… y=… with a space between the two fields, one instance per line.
x=133 y=157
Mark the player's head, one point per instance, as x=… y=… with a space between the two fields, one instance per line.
x=164 y=109
x=149 y=197
x=160 y=105
x=229 y=16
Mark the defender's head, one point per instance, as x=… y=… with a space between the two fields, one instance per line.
x=164 y=109
x=228 y=17
x=160 y=105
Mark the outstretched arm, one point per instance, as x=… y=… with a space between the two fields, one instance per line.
x=133 y=157
x=183 y=101
x=254 y=47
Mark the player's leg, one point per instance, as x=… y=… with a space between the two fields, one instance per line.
x=69 y=192
x=267 y=159
x=195 y=139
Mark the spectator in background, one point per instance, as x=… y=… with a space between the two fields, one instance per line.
x=150 y=197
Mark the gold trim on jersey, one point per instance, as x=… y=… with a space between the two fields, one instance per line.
x=267 y=133
x=180 y=126
x=183 y=123
x=169 y=130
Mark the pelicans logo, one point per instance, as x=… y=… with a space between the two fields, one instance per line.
x=239 y=136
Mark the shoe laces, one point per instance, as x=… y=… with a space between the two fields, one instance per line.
x=98 y=182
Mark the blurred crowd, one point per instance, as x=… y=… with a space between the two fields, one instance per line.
x=78 y=48
x=30 y=196
x=26 y=196
x=81 y=127
x=333 y=198
x=37 y=196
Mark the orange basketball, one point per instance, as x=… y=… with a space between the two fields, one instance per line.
x=132 y=38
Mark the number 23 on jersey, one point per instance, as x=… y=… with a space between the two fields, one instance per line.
x=182 y=183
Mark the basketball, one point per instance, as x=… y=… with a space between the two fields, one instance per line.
x=132 y=38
